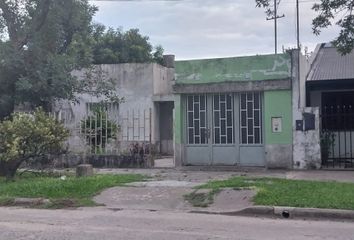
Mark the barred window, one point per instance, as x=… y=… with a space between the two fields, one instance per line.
x=197 y=119
x=251 y=118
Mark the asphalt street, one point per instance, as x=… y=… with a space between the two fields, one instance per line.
x=101 y=224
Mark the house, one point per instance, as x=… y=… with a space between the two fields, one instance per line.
x=284 y=111
x=234 y=111
x=330 y=87
x=145 y=116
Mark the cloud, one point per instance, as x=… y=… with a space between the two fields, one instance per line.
x=211 y=28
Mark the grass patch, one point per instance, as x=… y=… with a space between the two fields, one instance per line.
x=72 y=192
x=293 y=193
x=201 y=199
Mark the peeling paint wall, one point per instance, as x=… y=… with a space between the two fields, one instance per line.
x=138 y=84
x=306 y=144
x=250 y=68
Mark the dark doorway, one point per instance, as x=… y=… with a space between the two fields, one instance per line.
x=166 y=128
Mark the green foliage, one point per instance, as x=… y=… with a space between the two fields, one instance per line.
x=292 y=193
x=98 y=129
x=327 y=11
x=116 y=46
x=78 y=190
x=29 y=137
x=43 y=42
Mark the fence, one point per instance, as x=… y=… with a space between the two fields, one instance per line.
x=337 y=136
x=104 y=130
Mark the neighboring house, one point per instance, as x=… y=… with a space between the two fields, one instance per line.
x=330 y=87
x=145 y=116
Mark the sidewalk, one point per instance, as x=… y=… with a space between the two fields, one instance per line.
x=166 y=190
x=202 y=174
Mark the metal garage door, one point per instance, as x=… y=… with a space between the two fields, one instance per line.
x=213 y=124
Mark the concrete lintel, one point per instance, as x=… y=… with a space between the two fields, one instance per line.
x=163 y=98
x=240 y=86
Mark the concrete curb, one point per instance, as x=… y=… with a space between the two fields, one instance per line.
x=30 y=201
x=289 y=213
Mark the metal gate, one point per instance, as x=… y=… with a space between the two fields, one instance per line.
x=337 y=136
x=221 y=126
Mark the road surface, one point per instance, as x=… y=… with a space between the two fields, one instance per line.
x=102 y=224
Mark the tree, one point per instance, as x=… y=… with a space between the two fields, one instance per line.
x=42 y=42
x=116 y=46
x=29 y=138
x=328 y=11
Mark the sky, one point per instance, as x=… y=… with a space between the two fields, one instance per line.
x=195 y=29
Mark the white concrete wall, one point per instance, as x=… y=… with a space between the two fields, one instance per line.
x=164 y=79
x=306 y=144
x=137 y=84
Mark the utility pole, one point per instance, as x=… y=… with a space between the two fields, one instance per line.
x=298 y=50
x=298 y=24
x=275 y=18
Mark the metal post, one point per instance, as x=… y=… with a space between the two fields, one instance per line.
x=275 y=27
x=298 y=24
x=150 y=140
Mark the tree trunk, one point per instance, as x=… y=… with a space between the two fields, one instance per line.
x=8 y=169
x=2 y=169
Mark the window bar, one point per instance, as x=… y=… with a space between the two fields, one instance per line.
x=95 y=134
x=345 y=134
x=339 y=135
x=127 y=124
x=133 y=124
x=150 y=125
x=350 y=133
x=100 y=130
x=89 y=133
x=333 y=124
x=106 y=119
x=144 y=125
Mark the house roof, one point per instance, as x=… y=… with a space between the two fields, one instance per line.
x=249 y=68
x=331 y=65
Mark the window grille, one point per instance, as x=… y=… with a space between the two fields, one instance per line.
x=223 y=110
x=197 y=119
x=251 y=118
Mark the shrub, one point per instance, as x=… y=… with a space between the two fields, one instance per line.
x=29 y=138
x=98 y=129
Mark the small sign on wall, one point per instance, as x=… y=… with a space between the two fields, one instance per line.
x=277 y=124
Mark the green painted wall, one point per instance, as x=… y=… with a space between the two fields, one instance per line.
x=278 y=104
x=177 y=128
x=249 y=68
